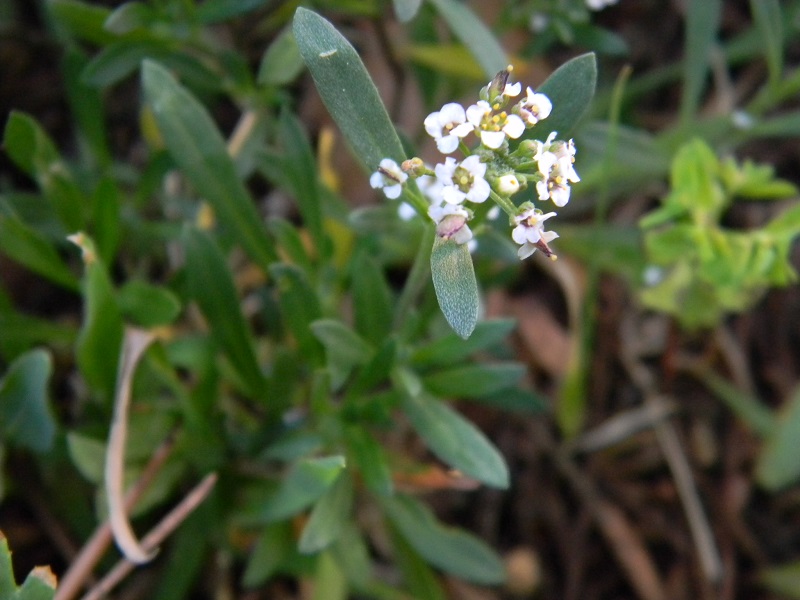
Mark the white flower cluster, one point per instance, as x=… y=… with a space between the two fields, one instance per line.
x=492 y=169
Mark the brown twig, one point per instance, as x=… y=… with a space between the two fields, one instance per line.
x=156 y=536
x=79 y=573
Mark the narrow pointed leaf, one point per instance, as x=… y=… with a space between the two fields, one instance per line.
x=346 y=89
x=452 y=437
x=452 y=550
x=570 y=89
x=328 y=516
x=455 y=285
x=25 y=416
x=196 y=145
x=474 y=34
x=211 y=286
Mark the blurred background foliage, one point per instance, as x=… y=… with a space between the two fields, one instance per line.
x=168 y=167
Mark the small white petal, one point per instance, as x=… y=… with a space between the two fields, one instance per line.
x=376 y=180
x=512 y=89
x=492 y=139
x=480 y=190
x=541 y=189
x=476 y=112
x=560 y=195
x=406 y=212
x=462 y=130
x=514 y=126
x=518 y=234
x=447 y=144
x=452 y=195
x=432 y=125
x=525 y=251
x=474 y=165
x=452 y=112
x=393 y=191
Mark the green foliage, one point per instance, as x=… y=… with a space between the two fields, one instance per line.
x=704 y=270
x=40 y=584
x=295 y=350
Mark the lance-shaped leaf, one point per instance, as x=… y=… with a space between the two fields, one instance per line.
x=474 y=35
x=455 y=285
x=450 y=436
x=452 y=550
x=346 y=89
x=570 y=89
x=211 y=286
x=25 y=416
x=196 y=145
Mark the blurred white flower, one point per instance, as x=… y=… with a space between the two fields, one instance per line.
x=389 y=177
x=534 y=107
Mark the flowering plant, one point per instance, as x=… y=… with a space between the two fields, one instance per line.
x=498 y=167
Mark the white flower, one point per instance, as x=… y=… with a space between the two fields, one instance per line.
x=558 y=173
x=389 y=177
x=493 y=127
x=463 y=181
x=451 y=222
x=599 y=4
x=530 y=232
x=556 y=158
x=447 y=126
x=534 y=107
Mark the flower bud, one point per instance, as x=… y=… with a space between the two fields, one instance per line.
x=414 y=167
x=508 y=184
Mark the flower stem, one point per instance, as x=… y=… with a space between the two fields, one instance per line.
x=417 y=276
x=504 y=203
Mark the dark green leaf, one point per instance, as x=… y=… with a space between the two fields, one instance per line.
x=100 y=339
x=32 y=150
x=778 y=465
x=453 y=550
x=213 y=11
x=570 y=89
x=370 y=459
x=198 y=148
x=418 y=576
x=281 y=63
x=344 y=348
x=25 y=415
x=328 y=516
x=455 y=285
x=372 y=299
x=129 y=17
x=451 y=437
x=346 y=89
x=769 y=20
x=300 y=307
x=288 y=239
x=451 y=349
x=474 y=381
x=702 y=26
x=300 y=170
x=31 y=249
x=148 y=305
x=376 y=370
x=303 y=485
x=106 y=219
x=86 y=105
x=273 y=546
x=84 y=20
x=211 y=286
x=474 y=34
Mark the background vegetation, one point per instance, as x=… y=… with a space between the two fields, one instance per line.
x=203 y=302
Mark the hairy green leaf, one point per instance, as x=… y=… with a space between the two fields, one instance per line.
x=455 y=285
